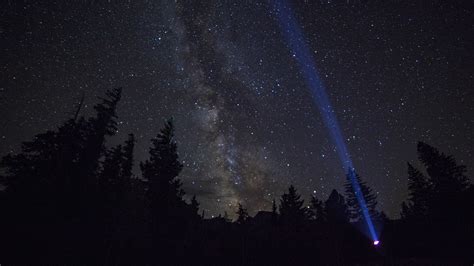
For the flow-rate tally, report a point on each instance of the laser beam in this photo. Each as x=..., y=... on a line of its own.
x=300, y=51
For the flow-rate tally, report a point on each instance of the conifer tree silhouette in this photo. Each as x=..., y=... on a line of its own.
x=291, y=208
x=419, y=189
x=442, y=168
x=274, y=207
x=354, y=208
x=101, y=126
x=335, y=208
x=440, y=208
x=161, y=171
x=194, y=205
x=242, y=214
x=443, y=192
x=274, y=212
x=164, y=196
x=52, y=182
x=316, y=210
x=447, y=182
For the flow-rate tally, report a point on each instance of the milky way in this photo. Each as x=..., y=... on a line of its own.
x=246, y=125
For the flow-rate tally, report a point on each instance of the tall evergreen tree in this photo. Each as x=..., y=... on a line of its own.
x=53, y=180
x=291, y=207
x=439, y=207
x=355, y=187
x=47, y=167
x=316, y=209
x=101, y=126
x=335, y=208
x=443, y=170
x=419, y=190
x=274, y=212
x=161, y=170
x=194, y=205
x=242, y=214
x=442, y=192
x=274, y=207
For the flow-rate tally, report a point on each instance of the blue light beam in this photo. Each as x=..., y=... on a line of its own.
x=300, y=51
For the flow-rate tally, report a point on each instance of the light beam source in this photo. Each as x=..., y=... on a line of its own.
x=300, y=51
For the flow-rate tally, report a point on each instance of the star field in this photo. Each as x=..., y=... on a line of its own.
x=246, y=125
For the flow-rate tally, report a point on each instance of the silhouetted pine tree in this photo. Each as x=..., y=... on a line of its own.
x=316, y=210
x=292, y=211
x=194, y=205
x=419, y=191
x=27, y=172
x=48, y=187
x=274, y=212
x=274, y=207
x=442, y=169
x=441, y=198
x=164, y=196
x=194, y=215
x=161, y=171
x=242, y=214
x=100, y=127
x=448, y=183
x=41, y=173
x=439, y=209
x=85, y=179
x=353, y=192
x=335, y=208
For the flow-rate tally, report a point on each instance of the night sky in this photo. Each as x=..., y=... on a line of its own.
x=246, y=124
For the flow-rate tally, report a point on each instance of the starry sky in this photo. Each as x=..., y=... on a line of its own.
x=246, y=124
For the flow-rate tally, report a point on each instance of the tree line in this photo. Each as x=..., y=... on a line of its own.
x=70, y=198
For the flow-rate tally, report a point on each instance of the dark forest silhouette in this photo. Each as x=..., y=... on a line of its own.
x=69, y=198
